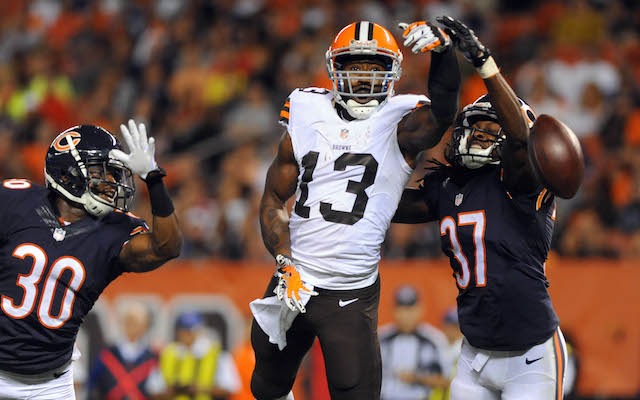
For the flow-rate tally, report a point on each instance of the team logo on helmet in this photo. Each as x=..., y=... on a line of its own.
x=72, y=137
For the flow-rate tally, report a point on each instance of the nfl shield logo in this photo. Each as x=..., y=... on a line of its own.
x=344, y=133
x=458, y=200
x=59, y=234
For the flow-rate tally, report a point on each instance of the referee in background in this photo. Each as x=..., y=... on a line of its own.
x=412, y=351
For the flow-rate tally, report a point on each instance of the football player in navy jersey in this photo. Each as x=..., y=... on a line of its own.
x=61, y=245
x=496, y=222
x=346, y=155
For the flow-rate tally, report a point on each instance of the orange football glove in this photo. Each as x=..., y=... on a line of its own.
x=424, y=37
x=290, y=285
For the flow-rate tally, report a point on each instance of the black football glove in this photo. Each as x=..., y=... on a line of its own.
x=466, y=41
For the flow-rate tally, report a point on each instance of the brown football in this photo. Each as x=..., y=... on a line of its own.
x=556, y=156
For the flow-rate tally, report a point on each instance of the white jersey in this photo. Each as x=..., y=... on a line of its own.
x=351, y=178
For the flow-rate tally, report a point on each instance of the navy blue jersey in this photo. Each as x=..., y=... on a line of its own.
x=497, y=243
x=50, y=275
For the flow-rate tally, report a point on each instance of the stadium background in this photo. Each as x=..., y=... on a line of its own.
x=209, y=78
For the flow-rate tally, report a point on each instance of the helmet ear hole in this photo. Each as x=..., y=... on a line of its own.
x=74, y=172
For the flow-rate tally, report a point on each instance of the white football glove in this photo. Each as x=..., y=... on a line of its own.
x=141, y=157
x=290, y=286
x=424, y=37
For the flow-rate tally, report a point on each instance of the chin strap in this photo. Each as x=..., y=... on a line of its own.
x=95, y=207
x=361, y=111
x=474, y=158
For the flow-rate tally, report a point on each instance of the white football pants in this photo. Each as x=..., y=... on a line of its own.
x=38, y=387
x=534, y=374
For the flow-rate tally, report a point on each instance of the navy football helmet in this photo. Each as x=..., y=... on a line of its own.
x=460, y=153
x=78, y=167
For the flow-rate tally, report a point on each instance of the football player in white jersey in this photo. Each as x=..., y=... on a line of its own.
x=347, y=155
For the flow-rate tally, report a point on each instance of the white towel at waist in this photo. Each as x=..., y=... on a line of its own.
x=275, y=318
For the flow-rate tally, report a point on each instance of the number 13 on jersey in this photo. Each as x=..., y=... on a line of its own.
x=309, y=163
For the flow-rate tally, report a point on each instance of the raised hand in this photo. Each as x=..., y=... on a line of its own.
x=141, y=157
x=466, y=41
x=424, y=37
x=290, y=285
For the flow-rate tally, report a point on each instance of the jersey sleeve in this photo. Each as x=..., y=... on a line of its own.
x=422, y=101
x=284, y=113
x=127, y=226
x=430, y=187
x=302, y=102
x=13, y=198
x=137, y=225
x=540, y=198
x=407, y=103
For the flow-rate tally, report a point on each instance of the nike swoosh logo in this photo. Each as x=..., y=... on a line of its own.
x=343, y=303
x=527, y=361
x=57, y=375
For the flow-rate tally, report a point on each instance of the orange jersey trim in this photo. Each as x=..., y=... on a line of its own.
x=137, y=230
x=284, y=111
x=540, y=199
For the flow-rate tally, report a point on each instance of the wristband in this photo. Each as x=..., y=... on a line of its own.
x=283, y=260
x=488, y=69
x=161, y=204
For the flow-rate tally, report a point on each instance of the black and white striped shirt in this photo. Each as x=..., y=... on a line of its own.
x=420, y=352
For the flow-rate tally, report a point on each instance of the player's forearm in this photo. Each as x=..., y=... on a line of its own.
x=424, y=127
x=518, y=174
x=411, y=209
x=274, y=225
x=506, y=104
x=148, y=251
x=166, y=234
x=444, y=86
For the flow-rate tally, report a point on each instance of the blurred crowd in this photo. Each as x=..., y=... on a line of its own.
x=209, y=78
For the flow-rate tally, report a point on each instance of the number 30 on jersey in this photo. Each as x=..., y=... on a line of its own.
x=29, y=284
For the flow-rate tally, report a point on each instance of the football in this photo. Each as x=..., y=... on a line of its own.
x=556, y=156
